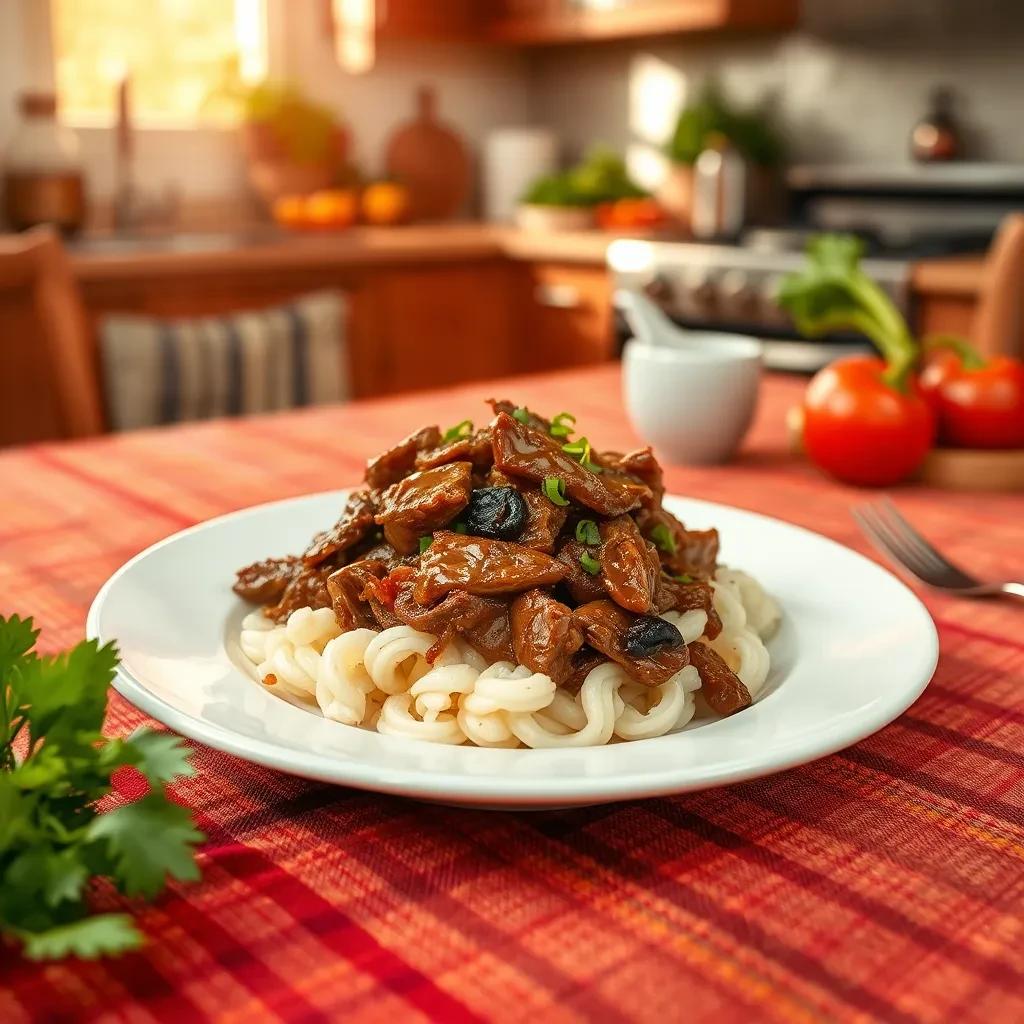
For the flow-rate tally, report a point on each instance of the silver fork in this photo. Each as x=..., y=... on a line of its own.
x=886, y=528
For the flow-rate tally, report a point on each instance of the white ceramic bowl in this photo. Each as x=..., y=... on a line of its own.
x=694, y=404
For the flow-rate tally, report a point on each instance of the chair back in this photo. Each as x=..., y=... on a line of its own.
x=49, y=383
x=998, y=326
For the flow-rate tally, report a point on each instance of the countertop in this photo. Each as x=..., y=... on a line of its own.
x=100, y=259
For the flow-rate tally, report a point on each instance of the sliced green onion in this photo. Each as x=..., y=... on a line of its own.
x=579, y=449
x=560, y=424
x=554, y=490
x=463, y=429
x=589, y=563
x=425, y=542
x=683, y=577
x=663, y=539
x=521, y=413
x=459, y=527
x=587, y=532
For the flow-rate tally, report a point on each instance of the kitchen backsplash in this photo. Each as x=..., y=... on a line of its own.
x=847, y=87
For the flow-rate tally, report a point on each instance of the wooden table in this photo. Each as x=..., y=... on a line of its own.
x=883, y=883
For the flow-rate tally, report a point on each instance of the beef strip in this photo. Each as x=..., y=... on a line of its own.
x=354, y=525
x=307, y=590
x=584, y=661
x=604, y=625
x=475, y=449
x=264, y=582
x=534, y=420
x=722, y=688
x=695, y=551
x=545, y=519
x=457, y=562
x=392, y=465
x=581, y=585
x=629, y=565
x=491, y=634
x=347, y=587
x=545, y=636
x=422, y=502
x=523, y=452
x=671, y=595
x=642, y=466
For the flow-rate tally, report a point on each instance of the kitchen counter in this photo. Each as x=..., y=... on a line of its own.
x=96, y=259
x=120, y=258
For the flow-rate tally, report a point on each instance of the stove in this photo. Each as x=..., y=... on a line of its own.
x=732, y=288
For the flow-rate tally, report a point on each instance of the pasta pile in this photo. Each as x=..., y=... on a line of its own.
x=381, y=679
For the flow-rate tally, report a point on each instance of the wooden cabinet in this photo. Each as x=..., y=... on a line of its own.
x=563, y=315
x=568, y=21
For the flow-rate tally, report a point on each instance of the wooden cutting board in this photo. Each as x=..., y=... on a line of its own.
x=431, y=161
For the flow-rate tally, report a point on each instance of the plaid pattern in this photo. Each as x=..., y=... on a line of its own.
x=883, y=883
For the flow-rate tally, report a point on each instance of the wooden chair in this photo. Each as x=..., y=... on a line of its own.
x=998, y=324
x=49, y=383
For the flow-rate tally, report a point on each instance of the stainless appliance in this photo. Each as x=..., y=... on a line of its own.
x=731, y=288
x=904, y=214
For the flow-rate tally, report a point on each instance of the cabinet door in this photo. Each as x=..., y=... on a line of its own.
x=566, y=317
x=438, y=326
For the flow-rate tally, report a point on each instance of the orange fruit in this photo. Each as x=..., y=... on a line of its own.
x=290, y=211
x=385, y=202
x=332, y=208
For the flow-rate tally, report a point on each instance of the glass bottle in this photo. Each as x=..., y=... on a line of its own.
x=43, y=179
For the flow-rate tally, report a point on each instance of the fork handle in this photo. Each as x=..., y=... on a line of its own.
x=1013, y=589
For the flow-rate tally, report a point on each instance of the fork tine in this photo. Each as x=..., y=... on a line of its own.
x=908, y=531
x=866, y=519
x=909, y=539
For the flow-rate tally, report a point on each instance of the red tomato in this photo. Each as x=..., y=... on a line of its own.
x=977, y=407
x=861, y=429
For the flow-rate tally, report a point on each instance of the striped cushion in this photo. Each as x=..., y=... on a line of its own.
x=165, y=371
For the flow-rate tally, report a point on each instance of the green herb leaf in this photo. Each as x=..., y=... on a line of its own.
x=563, y=425
x=554, y=490
x=92, y=937
x=148, y=840
x=683, y=577
x=663, y=539
x=425, y=543
x=589, y=563
x=460, y=527
x=463, y=429
x=160, y=756
x=521, y=413
x=587, y=532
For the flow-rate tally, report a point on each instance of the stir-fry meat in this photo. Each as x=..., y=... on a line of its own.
x=347, y=587
x=422, y=502
x=544, y=519
x=682, y=551
x=629, y=564
x=581, y=584
x=525, y=543
x=673, y=595
x=457, y=562
x=264, y=582
x=584, y=661
x=389, y=467
x=520, y=412
x=353, y=526
x=722, y=688
x=475, y=448
x=524, y=452
x=307, y=590
x=545, y=635
x=607, y=627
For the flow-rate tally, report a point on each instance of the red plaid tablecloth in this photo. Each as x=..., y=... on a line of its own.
x=883, y=883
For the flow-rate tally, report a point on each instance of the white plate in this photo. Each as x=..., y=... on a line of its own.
x=855, y=649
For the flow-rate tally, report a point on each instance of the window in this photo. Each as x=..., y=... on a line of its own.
x=184, y=58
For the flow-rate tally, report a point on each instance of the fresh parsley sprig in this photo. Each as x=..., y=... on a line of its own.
x=54, y=766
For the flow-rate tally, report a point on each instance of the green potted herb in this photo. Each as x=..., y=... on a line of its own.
x=704, y=123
